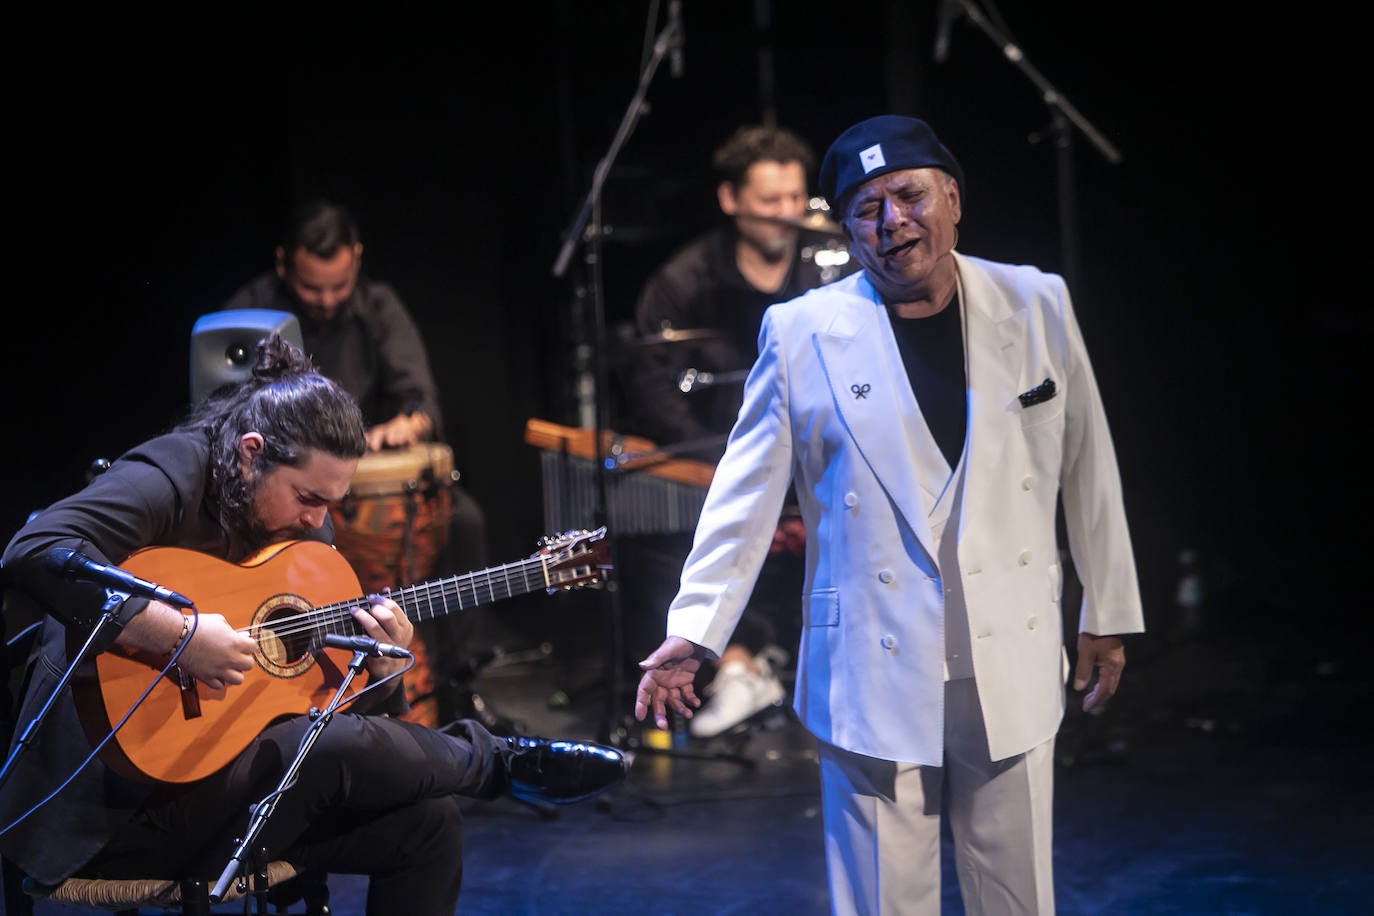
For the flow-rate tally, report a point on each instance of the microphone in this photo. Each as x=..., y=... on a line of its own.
x=949, y=11
x=675, y=55
x=74, y=565
x=365, y=644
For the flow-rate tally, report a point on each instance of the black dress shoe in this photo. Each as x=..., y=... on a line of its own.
x=562, y=772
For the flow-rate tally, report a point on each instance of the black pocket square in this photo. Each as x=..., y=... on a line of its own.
x=1039, y=394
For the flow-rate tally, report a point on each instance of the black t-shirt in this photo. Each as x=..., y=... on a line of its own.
x=933, y=352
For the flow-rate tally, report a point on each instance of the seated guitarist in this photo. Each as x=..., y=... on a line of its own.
x=251, y=467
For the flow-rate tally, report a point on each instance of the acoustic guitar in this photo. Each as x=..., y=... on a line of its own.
x=288, y=598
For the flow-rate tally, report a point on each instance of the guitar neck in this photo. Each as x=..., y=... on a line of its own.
x=577, y=560
x=430, y=600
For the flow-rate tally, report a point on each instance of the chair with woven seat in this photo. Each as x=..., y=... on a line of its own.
x=190, y=897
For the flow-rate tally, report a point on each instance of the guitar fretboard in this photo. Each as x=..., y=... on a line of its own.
x=424, y=601
x=429, y=600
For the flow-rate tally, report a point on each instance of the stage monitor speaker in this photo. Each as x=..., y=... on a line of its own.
x=224, y=345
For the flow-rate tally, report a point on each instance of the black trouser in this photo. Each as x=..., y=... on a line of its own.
x=375, y=796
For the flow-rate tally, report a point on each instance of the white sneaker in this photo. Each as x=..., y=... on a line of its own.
x=775, y=656
x=736, y=694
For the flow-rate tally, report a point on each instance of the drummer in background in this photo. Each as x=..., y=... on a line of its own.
x=770, y=248
x=360, y=333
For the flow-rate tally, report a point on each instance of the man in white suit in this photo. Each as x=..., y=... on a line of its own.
x=932, y=410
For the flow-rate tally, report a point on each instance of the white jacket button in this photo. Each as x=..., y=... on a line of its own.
x=1031, y=622
x=889, y=642
x=1027, y=482
x=851, y=499
x=1025, y=558
x=886, y=575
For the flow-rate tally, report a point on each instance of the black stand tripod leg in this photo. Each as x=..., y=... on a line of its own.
x=693, y=754
x=195, y=897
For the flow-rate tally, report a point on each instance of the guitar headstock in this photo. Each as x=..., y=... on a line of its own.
x=575, y=558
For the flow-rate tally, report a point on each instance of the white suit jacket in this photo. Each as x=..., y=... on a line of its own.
x=829, y=405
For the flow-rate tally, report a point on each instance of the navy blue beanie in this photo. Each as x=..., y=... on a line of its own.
x=886, y=143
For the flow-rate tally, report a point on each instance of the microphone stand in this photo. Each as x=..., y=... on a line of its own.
x=114, y=599
x=1062, y=114
x=592, y=235
x=264, y=809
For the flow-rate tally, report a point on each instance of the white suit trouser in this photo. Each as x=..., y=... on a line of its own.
x=882, y=824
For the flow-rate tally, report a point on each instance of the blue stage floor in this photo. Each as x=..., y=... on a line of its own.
x=1224, y=779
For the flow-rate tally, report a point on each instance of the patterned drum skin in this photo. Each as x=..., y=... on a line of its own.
x=392, y=527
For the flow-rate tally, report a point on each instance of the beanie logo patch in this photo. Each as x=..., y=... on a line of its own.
x=872, y=158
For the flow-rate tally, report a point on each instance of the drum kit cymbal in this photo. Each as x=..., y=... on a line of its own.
x=677, y=336
x=814, y=221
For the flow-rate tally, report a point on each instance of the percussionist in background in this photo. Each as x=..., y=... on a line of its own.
x=360, y=333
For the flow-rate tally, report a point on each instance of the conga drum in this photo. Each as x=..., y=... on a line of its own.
x=391, y=527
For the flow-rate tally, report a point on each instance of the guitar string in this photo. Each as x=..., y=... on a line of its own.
x=319, y=619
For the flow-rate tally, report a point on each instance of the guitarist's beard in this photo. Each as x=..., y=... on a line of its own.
x=250, y=532
x=256, y=535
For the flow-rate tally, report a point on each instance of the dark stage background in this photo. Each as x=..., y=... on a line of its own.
x=151, y=159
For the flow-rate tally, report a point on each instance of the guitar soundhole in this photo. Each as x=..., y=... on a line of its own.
x=283, y=635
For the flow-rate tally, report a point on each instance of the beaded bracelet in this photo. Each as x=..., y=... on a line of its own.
x=185, y=630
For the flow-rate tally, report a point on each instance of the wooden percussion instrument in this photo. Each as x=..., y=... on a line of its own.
x=391, y=527
x=651, y=494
